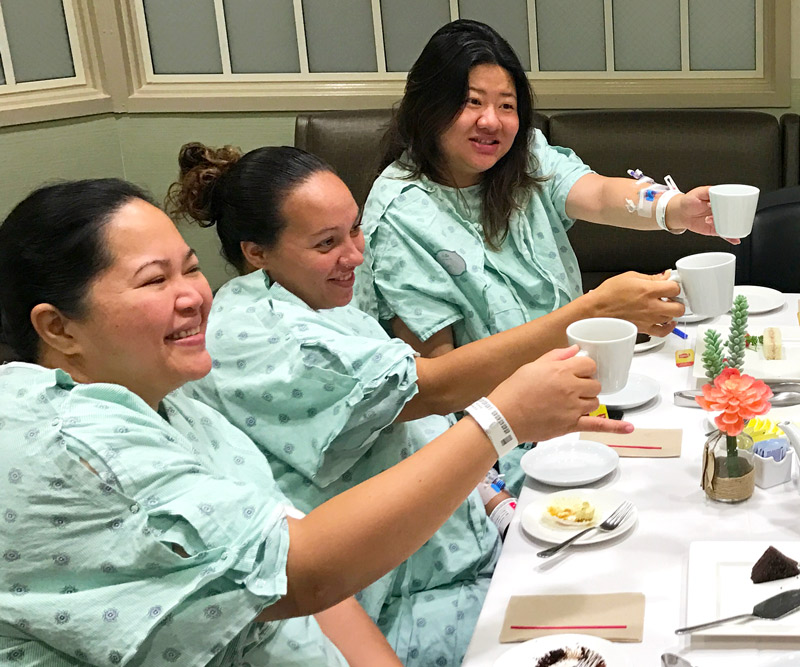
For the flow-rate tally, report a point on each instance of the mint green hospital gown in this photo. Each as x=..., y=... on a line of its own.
x=427, y=263
x=319, y=391
x=88, y=572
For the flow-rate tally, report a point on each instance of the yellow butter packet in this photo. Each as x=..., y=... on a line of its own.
x=601, y=411
x=684, y=357
x=762, y=429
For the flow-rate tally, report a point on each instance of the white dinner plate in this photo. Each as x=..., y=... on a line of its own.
x=653, y=342
x=719, y=586
x=571, y=463
x=605, y=501
x=789, y=660
x=530, y=652
x=639, y=390
x=760, y=299
x=754, y=364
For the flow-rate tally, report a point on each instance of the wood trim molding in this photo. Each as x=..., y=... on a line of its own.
x=55, y=100
x=304, y=93
x=118, y=80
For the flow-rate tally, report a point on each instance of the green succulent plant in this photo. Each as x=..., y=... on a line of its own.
x=736, y=339
x=713, y=354
x=716, y=356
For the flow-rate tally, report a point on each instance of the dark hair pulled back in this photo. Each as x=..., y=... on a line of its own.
x=243, y=195
x=52, y=246
x=436, y=92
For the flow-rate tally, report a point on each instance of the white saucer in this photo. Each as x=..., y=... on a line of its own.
x=572, y=463
x=605, y=502
x=689, y=317
x=654, y=342
x=760, y=299
x=639, y=390
x=530, y=652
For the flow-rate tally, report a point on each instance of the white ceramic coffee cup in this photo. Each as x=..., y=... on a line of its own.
x=706, y=281
x=733, y=207
x=609, y=341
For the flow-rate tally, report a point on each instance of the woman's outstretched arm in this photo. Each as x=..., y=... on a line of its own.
x=359, y=535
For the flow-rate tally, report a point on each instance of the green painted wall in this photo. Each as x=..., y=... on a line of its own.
x=144, y=148
x=65, y=149
x=149, y=145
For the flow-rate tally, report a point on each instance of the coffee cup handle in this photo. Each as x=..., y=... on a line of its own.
x=584, y=353
x=675, y=275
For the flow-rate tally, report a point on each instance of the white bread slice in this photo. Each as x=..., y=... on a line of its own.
x=772, y=343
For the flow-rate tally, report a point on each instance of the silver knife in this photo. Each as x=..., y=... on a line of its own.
x=777, y=606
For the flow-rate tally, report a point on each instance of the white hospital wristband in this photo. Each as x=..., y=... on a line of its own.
x=502, y=514
x=491, y=420
x=661, y=211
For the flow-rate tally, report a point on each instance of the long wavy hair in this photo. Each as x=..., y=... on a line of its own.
x=435, y=94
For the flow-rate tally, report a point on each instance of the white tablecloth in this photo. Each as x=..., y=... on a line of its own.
x=653, y=558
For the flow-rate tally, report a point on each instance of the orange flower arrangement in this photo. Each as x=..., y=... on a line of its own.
x=738, y=398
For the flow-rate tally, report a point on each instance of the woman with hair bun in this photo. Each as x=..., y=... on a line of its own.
x=331, y=400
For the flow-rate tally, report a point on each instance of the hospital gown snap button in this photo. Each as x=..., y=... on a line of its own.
x=134, y=508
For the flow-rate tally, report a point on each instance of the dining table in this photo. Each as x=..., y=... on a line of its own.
x=673, y=513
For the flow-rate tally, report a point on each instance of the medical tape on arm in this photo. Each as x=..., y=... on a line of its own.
x=650, y=192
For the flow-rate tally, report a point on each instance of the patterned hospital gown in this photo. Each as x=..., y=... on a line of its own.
x=89, y=575
x=318, y=391
x=426, y=260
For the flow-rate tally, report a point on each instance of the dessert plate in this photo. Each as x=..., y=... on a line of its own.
x=571, y=463
x=534, y=523
x=528, y=653
x=719, y=585
x=760, y=299
x=651, y=343
x=639, y=390
x=790, y=660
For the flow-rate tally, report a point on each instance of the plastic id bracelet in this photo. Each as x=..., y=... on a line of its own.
x=497, y=429
x=661, y=211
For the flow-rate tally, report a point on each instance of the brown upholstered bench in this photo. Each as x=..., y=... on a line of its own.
x=695, y=147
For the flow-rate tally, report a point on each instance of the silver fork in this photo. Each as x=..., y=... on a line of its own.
x=611, y=523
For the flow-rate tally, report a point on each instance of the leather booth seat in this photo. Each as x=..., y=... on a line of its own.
x=694, y=146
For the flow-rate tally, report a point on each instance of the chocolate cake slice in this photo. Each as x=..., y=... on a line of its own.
x=571, y=657
x=773, y=565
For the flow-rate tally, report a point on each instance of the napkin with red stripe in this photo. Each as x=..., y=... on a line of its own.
x=643, y=442
x=618, y=617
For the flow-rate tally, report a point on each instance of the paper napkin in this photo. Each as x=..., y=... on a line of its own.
x=643, y=442
x=618, y=617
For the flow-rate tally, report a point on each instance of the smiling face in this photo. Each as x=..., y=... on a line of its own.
x=145, y=320
x=484, y=130
x=321, y=245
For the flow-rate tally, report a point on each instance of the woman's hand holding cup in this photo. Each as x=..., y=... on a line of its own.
x=552, y=396
x=645, y=300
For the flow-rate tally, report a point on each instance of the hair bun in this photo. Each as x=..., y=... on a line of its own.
x=201, y=168
x=192, y=155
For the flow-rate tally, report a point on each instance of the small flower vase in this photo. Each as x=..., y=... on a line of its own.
x=728, y=471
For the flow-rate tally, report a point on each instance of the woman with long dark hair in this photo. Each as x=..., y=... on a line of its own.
x=466, y=227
